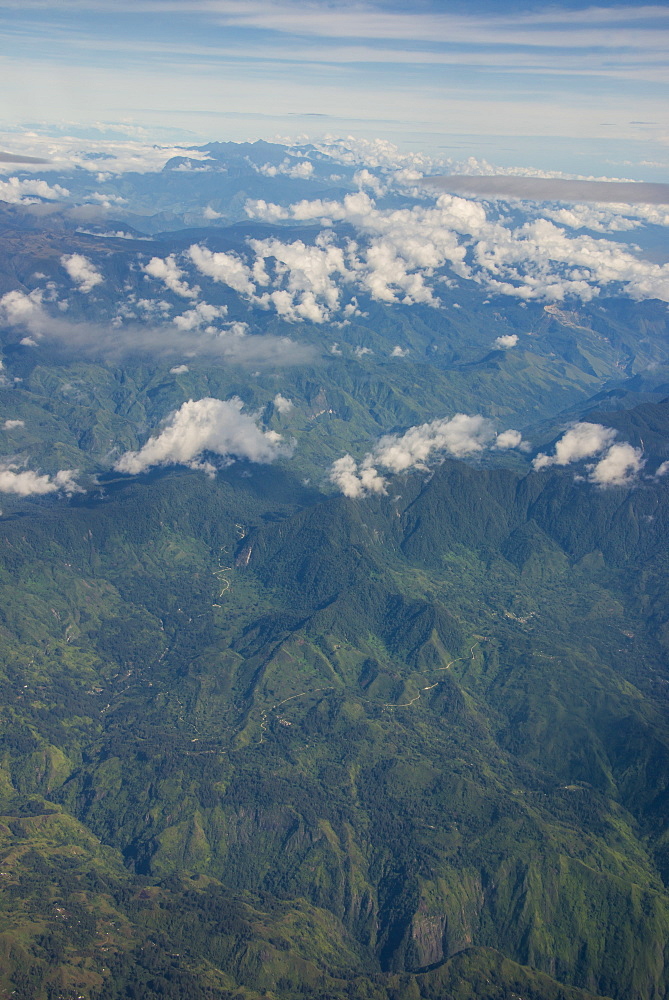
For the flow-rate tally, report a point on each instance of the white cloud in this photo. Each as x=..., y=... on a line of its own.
x=305, y=288
x=282, y=404
x=201, y=315
x=399, y=352
x=407, y=176
x=18, y=192
x=168, y=271
x=595, y=218
x=116, y=234
x=29, y=483
x=354, y=482
x=300, y=170
x=64, y=153
x=179, y=370
x=361, y=351
x=507, y=341
x=22, y=309
x=153, y=307
x=405, y=248
x=662, y=470
x=10, y=425
x=583, y=440
x=206, y=425
x=82, y=271
x=619, y=467
x=510, y=439
x=227, y=268
x=377, y=153
x=459, y=436
x=210, y=213
x=366, y=179
x=106, y=200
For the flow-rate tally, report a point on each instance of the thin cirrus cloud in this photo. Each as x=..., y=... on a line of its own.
x=465, y=66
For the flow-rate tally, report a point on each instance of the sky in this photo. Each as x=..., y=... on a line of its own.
x=565, y=86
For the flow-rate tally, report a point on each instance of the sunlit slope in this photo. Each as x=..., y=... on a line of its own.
x=372, y=748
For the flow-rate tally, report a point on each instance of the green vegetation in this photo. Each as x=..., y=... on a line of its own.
x=256, y=742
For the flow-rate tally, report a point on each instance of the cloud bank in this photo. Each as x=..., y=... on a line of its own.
x=552, y=189
x=400, y=255
x=26, y=312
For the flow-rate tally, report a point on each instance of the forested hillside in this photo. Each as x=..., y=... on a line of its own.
x=261, y=742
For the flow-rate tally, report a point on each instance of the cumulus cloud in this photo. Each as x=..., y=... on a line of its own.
x=201, y=315
x=227, y=268
x=10, y=425
x=404, y=246
x=592, y=217
x=300, y=170
x=510, y=439
x=28, y=483
x=282, y=404
x=210, y=213
x=29, y=192
x=366, y=179
x=304, y=277
x=179, y=370
x=458, y=436
x=353, y=481
x=167, y=270
x=23, y=309
x=82, y=271
x=377, y=153
x=662, y=470
x=399, y=352
x=620, y=466
x=540, y=261
x=403, y=250
x=506, y=341
x=209, y=425
x=583, y=440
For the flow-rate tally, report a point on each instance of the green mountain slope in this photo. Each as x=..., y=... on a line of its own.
x=258, y=740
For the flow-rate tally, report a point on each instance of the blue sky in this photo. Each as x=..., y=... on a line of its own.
x=564, y=86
